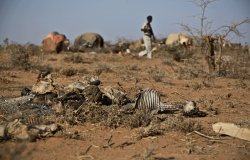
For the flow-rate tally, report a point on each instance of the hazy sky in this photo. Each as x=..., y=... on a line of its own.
x=31, y=20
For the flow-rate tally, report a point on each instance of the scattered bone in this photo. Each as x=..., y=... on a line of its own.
x=190, y=109
x=232, y=130
x=203, y=135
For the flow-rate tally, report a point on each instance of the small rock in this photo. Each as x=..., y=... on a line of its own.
x=229, y=105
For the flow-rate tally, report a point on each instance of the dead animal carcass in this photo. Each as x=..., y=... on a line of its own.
x=114, y=96
x=190, y=109
x=16, y=129
x=148, y=101
x=45, y=84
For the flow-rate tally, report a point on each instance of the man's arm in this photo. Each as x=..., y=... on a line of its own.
x=153, y=34
x=151, y=31
x=144, y=30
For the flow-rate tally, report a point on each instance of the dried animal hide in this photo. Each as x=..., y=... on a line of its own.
x=76, y=85
x=45, y=98
x=26, y=92
x=92, y=93
x=16, y=129
x=116, y=96
x=45, y=84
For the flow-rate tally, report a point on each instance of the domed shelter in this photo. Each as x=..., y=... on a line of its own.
x=55, y=42
x=89, y=40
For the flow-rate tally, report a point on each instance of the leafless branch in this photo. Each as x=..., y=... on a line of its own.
x=232, y=28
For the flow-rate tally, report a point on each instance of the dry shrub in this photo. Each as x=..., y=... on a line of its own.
x=16, y=152
x=116, y=119
x=241, y=84
x=243, y=123
x=152, y=130
x=35, y=50
x=179, y=52
x=40, y=67
x=149, y=152
x=104, y=67
x=4, y=81
x=111, y=116
x=189, y=73
x=1, y=49
x=136, y=120
x=98, y=72
x=206, y=102
x=168, y=62
x=52, y=59
x=20, y=55
x=236, y=64
x=157, y=75
x=74, y=58
x=4, y=67
x=188, y=125
x=57, y=69
x=234, y=70
x=83, y=71
x=131, y=67
x=124, y=40
x=69, y=71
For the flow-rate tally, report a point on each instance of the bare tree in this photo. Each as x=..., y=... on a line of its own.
x=225, y=30
x=199, y=33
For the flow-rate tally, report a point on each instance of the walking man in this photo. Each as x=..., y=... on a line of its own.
x=148, y=33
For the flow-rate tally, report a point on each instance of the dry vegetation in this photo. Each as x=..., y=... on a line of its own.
x=177, y=75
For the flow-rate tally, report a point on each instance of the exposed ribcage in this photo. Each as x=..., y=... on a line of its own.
x=148, y=101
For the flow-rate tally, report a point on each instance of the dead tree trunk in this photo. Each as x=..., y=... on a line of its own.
x=210, y=54
x=219, y=62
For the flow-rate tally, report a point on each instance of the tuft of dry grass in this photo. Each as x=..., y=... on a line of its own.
x=104, y=67
x=41, y=67
x=157, y=75
x=74, y=58
x=131, y=67
x=68, y=71
x=21, y=57
x=52, y=59
x=168, y=62
x=186, y=126
x=82, y=71
x=111, y=116
x=98, y=72
x=16, y=152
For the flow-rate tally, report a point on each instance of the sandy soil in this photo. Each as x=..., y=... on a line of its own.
x=171, y=145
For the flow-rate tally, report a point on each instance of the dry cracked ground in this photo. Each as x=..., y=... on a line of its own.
x=224, y=98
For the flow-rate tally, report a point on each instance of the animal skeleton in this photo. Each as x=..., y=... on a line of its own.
x=148, y=101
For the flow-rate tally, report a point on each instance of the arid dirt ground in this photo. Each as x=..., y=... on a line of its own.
x=224, y=99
